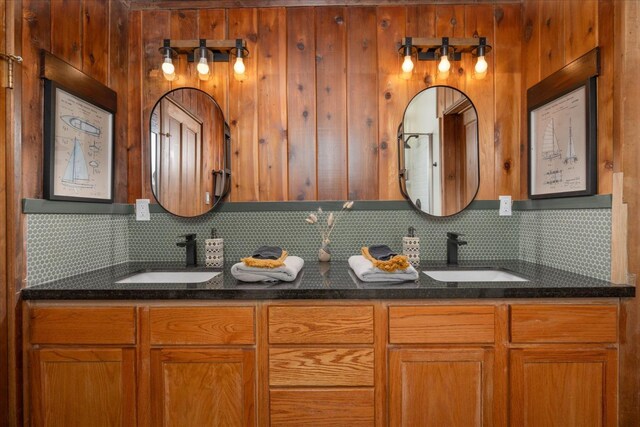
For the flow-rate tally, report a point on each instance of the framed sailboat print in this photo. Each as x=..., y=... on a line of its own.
x=78, y=147
x=562, y=121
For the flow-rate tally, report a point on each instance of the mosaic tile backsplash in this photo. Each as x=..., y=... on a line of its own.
x=65, y=245
x=574, y=240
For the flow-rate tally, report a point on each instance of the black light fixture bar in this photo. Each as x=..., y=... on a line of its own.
x=430, y=48
x=221, y=49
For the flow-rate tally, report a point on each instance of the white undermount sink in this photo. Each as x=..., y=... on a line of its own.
x=486, y=275
x=171, y=277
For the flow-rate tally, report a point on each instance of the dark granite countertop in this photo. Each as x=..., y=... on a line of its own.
x=333, y=280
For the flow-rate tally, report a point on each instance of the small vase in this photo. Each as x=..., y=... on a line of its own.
x=324, y=254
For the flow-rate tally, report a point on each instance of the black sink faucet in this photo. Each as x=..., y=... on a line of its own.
x=452, y=247
x=190, y=244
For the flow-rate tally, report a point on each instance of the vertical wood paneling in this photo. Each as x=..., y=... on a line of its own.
x=331, y=92
x=580, y=27
x=609, y=149
x=271, y=60
x=154, y=27
x=392, y=98
x=66, y=39
x=450, y=23
x=421, y=22
x=362, y=109
x=530, y=76
x=95, y=39
x=184, y=26
x=134, y=105
x=243, y=113
x=301, y=104
x=35, y=36
x=479, y=22
x=118, y=81
x=507, y=90
x=212, y=24
x=551, y=37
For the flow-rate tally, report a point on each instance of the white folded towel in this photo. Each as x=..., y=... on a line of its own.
x=287, y=273
x=366, y=272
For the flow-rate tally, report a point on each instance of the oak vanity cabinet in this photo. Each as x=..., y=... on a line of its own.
x=563, y=365
x=441, y=366
x=81, y=366
x=202, y=366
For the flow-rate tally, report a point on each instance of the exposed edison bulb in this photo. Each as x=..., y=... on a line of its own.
x=407, y=65
x=203, y=66
x=444, y=65
x=481, y=65
x=239, y=67
x=168, y=67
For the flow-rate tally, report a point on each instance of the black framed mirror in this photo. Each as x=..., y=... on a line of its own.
x=190, y=153
x=438, y=151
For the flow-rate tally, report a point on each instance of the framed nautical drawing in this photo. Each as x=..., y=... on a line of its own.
x=562, y=120
x=78, y=147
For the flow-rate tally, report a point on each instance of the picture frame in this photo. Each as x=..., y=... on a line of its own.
x=562, y=131
x=79, y=135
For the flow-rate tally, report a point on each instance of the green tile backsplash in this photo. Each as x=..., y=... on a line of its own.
x=576, y=240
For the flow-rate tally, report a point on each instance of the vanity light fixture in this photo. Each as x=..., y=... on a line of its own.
x=445, y=50
x=203, y=52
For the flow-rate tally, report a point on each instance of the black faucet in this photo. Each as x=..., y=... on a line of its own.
x=190, y=244
x=452, y=247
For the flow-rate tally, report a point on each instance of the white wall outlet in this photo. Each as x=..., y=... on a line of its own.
x=142, y=210
x=207, y=198
x=505, y=205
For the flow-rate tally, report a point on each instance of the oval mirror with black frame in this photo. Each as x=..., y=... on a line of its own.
x=438, y=151
x=189, y=152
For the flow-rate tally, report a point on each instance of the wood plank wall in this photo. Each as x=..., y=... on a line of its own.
x=92, y=36
x=555, y=32
x=316, y=116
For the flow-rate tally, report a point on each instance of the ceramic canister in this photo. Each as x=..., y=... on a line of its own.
x=214, y=253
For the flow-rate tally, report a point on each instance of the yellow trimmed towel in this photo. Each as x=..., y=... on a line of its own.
x=398, y=262
x=265, y=263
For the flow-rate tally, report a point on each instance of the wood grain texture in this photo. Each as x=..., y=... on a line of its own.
x=243, y=111
x=609, y=148
x=322, y=407
x=95, y=39
x=135, y=171
x=441, y=324
x=66, y=40
x=82, y=325
x=184, y=26
x=554, y=387
x=83, y=387
x=362, y=107
x=551, y=37
x=566, y=323
x=212, y=24
x=301, y=104
x=271, y=59
x=331, y=103
x=392, y=98
x=421, y=22
x=321, y=325
x=179, y=4
x=422, y=382
x=450, y=23
x=508, y=99
x=194, y=387
x=197, y=325
x=321, y=367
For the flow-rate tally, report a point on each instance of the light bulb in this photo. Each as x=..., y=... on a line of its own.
x=168, y=67
x=444, y=64
x=239, y=67
x=407, y=65
x=481, y=65
x=170, y=77
x=203, y=66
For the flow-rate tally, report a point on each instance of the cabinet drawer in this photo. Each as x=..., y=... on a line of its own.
x=564, y=323
x=82, y=325
x=202, y=325
x=321, y=325
x=321, y=367
x=441, y=324
x=330, y=407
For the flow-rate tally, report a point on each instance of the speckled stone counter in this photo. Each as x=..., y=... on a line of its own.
x=333, y=280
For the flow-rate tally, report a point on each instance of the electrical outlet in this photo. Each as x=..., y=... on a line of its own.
x=505, y=205
x=142, y=210
x=207, y=198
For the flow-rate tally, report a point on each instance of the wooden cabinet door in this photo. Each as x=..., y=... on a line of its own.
x=202, y=387
x=563, y=387
x=83, y=387
x=440, y=387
